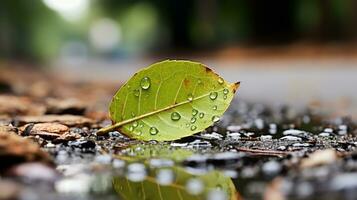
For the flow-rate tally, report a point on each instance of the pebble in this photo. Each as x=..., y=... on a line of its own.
x=266, y=137
x=234, y=128
x=301, y=145
x=325, y=134
x=200, y=144
x=178, y=144
x=281, y=148
x=87, y=144
x=294, y=132
x=212, y=136
x=290, y=138
x=233, y=136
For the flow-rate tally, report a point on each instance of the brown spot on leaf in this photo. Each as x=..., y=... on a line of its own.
x=208, y=70
x=186, y=82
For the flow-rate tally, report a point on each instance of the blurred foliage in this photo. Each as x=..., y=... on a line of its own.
x=33, y=30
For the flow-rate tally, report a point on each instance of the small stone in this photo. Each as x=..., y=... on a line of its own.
x=290, y=138
x=233, y=136
x=266, y=137
x=212, y=136
x=234, y=128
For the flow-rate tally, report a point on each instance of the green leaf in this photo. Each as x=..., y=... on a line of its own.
x=151, y=189
x=169, y=100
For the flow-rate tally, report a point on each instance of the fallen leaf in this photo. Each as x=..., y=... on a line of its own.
x=170, y=100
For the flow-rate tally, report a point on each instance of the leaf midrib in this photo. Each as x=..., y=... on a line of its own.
x=119, y=124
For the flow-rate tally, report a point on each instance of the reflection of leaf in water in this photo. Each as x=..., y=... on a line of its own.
x=151, y=190
x=146, y=151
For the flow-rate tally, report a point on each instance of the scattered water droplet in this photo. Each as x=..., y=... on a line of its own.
x=135, y=124
x=190, y=97
x=131, y=128
x=188, y=125
x=214, y=107
x=175, y=116
x=141, y=125
x=138, y=132
x=145, y=83
x=213, y=95
x=220, y=80
x=153, y=131
x=224, y=96
x=225, y=91
x=201, y=115
x=193, y=120
x=199, y=81
x=215, y=118
x=194, y=112
x=193, y=127
x=136, y=92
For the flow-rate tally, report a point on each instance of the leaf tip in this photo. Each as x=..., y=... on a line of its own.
x=235, y=86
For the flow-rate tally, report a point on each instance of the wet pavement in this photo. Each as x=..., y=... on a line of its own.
x=256, y=151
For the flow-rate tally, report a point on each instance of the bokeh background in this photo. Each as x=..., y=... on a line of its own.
x=296, y=52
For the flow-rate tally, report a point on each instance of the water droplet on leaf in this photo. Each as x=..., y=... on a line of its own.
x=201, y=115
x=189, y=97
x=131, y=128
x=175, y=116
x=188, y=125
x=220, y=80
x=199, y=81
x=136, y=92
x=193, y=127
x=215, y=118
x=193, y=120
x=213, y=95
x=135, y=124
x=225, y=91
x=214, y=107
x=138, y=132
x=145, y=83
x=224, y=96
x=153, y=131
x=194, y=112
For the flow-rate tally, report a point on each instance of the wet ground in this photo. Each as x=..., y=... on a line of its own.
x=49, y=150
